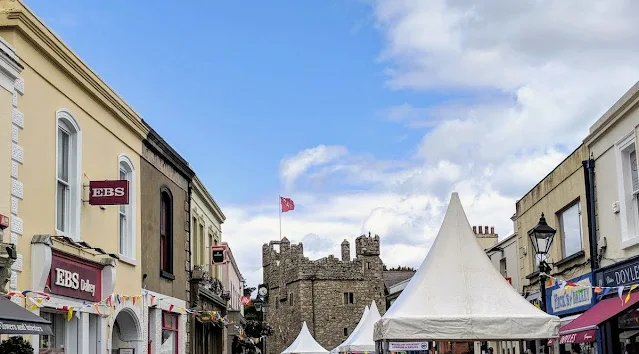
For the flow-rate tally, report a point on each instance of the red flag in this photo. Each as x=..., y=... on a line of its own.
x=287, y=204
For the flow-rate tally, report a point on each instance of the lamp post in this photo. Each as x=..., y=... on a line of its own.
x=541, y=237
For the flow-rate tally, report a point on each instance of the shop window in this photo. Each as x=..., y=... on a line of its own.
x=169, y=333
x=349, y=298
x=68, y=180
x=55, y=341
x=166, y=234
x=570, y=229
x=628, y=181
x=126, y=228
x=201, y=246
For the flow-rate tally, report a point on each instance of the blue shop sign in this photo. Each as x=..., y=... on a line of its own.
x=562, y=301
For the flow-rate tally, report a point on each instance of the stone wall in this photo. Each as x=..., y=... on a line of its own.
x=313, y=291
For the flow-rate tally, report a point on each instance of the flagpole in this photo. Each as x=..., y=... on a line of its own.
x=279, y=202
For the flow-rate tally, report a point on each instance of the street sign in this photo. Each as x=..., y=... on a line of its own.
x=218, y=254
x=245, y=300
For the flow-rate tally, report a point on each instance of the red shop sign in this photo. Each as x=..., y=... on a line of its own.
x=72, y=277
x=109, y=192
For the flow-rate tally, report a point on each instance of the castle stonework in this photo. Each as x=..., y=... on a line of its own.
x=329, y=293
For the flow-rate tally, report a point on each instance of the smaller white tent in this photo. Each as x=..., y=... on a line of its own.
x=362, y=340
x=305, y=343
x=340, y=348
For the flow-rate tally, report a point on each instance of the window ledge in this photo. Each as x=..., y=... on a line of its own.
x=574, y=256
x=630, y=242
x=532, y=275
x=167, y=275
x=127, y=260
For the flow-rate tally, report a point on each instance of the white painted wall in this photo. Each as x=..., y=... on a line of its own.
x=509, y=246
x=233, y=282
x=621, y=242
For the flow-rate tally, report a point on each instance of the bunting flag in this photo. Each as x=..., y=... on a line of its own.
x=633, y=287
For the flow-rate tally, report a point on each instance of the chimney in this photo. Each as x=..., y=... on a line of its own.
x=492, y=230
x=475, y=230
x=486, y=228
x=346, y=251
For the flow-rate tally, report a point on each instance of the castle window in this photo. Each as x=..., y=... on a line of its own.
x=277, y=302
x=368, y=265
x=349, y=299
x=290, y=299
x=345, y=331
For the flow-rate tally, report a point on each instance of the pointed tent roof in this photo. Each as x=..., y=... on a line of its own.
x=457, y=294
x=305, y=343
x=362, y=340
x=340, y=348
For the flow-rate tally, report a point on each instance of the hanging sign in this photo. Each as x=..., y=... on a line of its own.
x=109, y=192
x=407, y=346
x=563, y=300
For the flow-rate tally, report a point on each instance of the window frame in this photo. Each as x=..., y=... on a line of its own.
x=166, y=252
x=348, y=297
x=66, y=122
x=125, y=163
x=562, y=231
x=175, y=329
x=629, y=213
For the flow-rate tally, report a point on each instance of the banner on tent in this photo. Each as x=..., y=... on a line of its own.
x=407, y=346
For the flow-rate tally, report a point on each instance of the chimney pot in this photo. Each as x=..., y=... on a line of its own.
x=486, y=230
x=475, y=229
x=492, y=230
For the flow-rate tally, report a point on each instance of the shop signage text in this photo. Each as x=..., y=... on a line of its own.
x=579, y=337
x=69, y=277
x=407, y=346
x=109, y=192
x=625, y=274
x=572, y=299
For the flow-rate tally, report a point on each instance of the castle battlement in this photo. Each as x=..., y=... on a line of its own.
x=328, y=293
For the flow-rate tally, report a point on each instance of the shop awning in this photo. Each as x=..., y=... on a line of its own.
x=17, y=320
x=583, y=329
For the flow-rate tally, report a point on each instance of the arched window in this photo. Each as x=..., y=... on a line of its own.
x=126, y=215
x=166, y=234
x=68, y=175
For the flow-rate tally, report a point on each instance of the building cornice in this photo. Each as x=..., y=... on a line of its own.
x=158, y=145
x=614, y=114
x=14, y=14
x=203, y=193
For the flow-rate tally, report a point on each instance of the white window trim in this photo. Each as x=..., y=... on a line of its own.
x=562, y=232
x=75, y=180
x=629, y=223
x=131, y=225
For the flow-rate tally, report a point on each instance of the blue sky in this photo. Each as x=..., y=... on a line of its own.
x=235, y=88
x=368, y=113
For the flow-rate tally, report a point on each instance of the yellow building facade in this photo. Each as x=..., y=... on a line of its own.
x=67, y=129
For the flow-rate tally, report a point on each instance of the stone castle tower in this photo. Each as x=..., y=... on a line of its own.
x=329, y=293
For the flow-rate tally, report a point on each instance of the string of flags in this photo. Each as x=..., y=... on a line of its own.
x=601, y=291
x=37, y=299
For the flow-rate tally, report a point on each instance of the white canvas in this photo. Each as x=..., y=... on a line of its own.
x=341, y=347
x=362, y=340
x=305, y=343
x=457, y=294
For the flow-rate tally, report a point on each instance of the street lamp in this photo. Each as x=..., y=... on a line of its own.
x=258, y=304
x=541, y=237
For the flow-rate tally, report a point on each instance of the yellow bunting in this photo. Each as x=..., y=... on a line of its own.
x=70, y=313
x=633, y=287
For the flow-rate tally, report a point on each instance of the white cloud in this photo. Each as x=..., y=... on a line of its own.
x=538, y=74
x=291, y=168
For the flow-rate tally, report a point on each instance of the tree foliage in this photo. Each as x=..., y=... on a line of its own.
x=16, y=345
x=399, y=269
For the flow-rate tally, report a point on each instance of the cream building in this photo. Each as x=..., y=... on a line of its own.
x=234, y=282
x=207, y=291
x=68, y=128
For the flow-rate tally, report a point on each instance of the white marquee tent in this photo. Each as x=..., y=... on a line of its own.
x=305, y=343
x=457, y=294
x=362, y=339
x=340, y=348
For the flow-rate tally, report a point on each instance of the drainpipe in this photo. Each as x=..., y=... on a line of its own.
x=589, y=175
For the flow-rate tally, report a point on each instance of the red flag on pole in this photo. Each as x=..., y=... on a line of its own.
x=287, y=204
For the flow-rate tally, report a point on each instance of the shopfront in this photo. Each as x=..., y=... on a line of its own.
x=77, y=287
x=568, y=301
x=613, y=321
